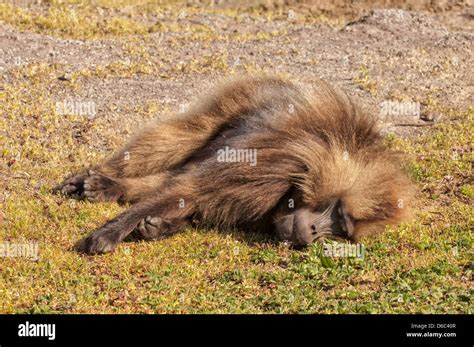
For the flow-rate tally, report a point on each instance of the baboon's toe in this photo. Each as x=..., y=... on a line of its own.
x=98, y=187
x=149, y=228
x=72, y=185
x=69, y=189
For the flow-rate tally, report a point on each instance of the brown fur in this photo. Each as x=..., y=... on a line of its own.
x=313, y=147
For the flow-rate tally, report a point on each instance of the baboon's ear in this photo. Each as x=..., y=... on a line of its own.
x=346, y=220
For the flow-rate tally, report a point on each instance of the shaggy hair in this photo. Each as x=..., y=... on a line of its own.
x=313, y=147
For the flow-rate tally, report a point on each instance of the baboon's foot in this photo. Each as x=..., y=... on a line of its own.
x=103, y=240
x=150, y=228
x=98, y=187
x=106, y=238
x=73, y=185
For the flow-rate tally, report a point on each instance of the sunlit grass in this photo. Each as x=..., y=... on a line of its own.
x=425, y=265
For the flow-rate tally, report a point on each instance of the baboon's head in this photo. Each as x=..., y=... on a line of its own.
x=352, y=206
x=306, y=225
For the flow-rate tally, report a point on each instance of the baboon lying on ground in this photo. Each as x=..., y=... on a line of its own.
x=260, y=154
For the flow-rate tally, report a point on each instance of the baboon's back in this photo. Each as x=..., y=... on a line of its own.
x=169, y=144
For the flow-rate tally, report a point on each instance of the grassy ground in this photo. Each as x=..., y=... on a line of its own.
x=425, y=265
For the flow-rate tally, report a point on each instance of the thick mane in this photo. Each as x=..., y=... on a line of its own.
x=346, y=159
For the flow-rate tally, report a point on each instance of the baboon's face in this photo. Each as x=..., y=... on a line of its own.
x=305, y=225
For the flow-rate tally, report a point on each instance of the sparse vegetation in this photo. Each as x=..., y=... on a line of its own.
x=365, y=82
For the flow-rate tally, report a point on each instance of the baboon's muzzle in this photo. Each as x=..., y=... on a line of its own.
x=305, y=226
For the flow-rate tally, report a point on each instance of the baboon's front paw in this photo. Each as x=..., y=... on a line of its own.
x=150, y=228
x=98, y=242
x=73, y=185
x=98, y=187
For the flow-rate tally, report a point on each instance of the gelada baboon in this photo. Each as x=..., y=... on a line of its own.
x=258, y=153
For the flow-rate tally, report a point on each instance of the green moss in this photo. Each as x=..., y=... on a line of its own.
x=467, y=190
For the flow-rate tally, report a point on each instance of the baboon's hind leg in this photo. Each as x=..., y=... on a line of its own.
x=165, y=205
